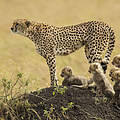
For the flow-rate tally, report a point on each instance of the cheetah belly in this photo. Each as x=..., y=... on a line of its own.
x=62, y=51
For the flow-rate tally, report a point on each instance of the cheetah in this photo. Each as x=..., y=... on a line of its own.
x=113, y=73
x=70, y=79
x=51, y=41
x=103, y=84
x=115, y=76
x=116, y=61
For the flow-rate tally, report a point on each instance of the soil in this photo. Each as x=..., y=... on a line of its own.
x=69, y=103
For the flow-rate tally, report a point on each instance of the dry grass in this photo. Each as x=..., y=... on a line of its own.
x=17, y=53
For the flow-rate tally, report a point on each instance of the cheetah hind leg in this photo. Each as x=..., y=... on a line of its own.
x=93, y=53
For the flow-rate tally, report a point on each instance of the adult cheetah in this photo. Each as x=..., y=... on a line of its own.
x=51, y=40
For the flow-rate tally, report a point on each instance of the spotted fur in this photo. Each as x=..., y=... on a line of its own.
x=51, y=40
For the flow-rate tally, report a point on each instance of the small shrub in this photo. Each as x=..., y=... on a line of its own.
x=69, y=105
x=60, y=90
x=49, y=113
x=10, y=105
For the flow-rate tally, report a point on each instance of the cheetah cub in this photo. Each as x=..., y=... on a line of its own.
x=103, y=84
x=113, y=73
x=115, y=76
x=70, y=79
x=116, y=61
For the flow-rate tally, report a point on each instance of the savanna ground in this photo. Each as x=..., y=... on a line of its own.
x=17, y=53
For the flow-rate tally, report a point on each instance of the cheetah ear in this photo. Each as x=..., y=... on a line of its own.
x=28, y=23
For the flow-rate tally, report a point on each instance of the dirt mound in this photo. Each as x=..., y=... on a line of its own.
x=67, y=103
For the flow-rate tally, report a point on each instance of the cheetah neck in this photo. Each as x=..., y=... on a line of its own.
x=39, y=31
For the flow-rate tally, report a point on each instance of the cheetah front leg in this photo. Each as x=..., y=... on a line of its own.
x=52, y=68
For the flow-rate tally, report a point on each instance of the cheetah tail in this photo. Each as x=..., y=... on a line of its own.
x=110, y=46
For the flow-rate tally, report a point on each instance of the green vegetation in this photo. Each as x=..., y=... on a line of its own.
x=9, y=100
x=48, y=114
x=10, y=90
x=64, y=109
x=17, y=53
x=13, y=105
x=59, y=90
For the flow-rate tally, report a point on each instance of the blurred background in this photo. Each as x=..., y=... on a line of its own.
x=17, y=53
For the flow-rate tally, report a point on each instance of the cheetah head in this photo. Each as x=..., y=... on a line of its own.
x=20, y=26
x=112, y=71
x=66, y=72
x=116, y=61
x=95, y=67
x=115, y=74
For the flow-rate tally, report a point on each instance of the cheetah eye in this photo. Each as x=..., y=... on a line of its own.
x=16, y=24
x=69, y=70
x=27, y=23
